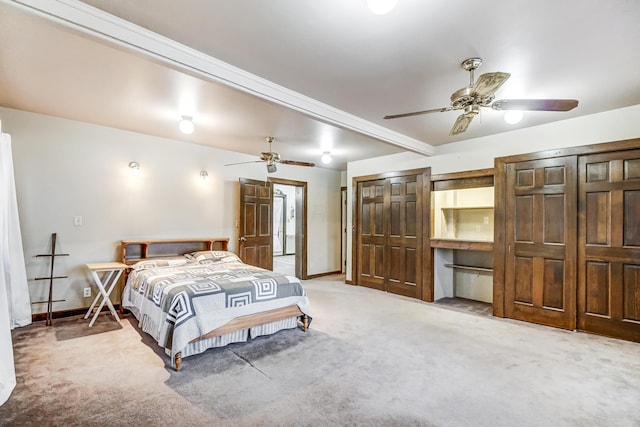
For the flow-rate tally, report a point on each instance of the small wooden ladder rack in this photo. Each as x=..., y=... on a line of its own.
x=51, y=277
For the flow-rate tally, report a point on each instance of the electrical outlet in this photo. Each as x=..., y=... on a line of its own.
x=77, y=220
x=87, y=292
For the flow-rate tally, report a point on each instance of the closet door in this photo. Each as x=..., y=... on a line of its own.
x=404, y=261
x=609, y=244
x=540, y=237
x=371, y=234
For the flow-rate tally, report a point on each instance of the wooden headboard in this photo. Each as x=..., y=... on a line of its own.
x=132, y=251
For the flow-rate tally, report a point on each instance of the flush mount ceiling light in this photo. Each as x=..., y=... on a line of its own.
x=134, y=168
x=512, y=117
x=381, y=7
x=326, y=157
x=186, y=125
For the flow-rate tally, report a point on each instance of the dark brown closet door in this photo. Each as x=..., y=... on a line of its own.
x=540, y=277
x=256, y=240
x=404, y=264
x=370, y=233
x=609, y=244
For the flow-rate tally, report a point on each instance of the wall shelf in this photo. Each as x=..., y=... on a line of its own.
x=476, y=245
x=462, y=208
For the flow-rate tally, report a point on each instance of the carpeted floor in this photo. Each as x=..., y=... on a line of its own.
x=369, y=359
x=285, y=264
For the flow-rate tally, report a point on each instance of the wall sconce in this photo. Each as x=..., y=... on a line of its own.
x=134, y=168
x=326, y=158
x=381, y=7
x=186, y=125
x=204, y=175
x=513, y=116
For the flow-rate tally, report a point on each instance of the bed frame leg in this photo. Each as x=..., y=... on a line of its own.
x=305, y=322
x=177, y=361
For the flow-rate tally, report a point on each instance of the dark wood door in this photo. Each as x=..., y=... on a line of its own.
x=540, y=237
x=256, y=209
x=609, y=244
x=371, y=234
x=390, y=234
x=403, y=269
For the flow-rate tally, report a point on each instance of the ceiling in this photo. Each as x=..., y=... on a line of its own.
x=317, y=75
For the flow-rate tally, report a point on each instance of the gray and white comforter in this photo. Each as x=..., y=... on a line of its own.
x=180, y=299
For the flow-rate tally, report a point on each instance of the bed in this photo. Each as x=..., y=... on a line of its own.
x=192, y=295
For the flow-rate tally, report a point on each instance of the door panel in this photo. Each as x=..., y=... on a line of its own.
x=371, y=234
x=609, y=244
x=256, y=240
x=405, y=219
x=540, y=234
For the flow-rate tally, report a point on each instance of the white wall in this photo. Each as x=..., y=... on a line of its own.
x=480, y=153
x=65, y=169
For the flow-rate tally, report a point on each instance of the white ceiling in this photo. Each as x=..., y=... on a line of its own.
x=311, y=73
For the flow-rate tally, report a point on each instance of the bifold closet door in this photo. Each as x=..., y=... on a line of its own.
x=540, y=237
x=389, y=234
x=404, y=262
x=609, y=244
x=371, y=234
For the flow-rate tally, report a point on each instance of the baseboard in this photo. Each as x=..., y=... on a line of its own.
x=315, y=276
x=348, y=282
x=38, y=317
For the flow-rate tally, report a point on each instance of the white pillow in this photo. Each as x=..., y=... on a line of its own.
x=160, y=262
x=209, y=257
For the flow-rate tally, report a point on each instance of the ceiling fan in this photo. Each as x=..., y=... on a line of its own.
x=481, y=94
x=271, y=158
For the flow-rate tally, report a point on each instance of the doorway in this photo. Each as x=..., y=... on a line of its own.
x=343, y=230
x=284, y=229
x=289, y=227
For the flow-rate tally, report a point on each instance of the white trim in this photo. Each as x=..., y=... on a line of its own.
x=85, y=18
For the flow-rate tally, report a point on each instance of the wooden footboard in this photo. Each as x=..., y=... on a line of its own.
x=249, y=321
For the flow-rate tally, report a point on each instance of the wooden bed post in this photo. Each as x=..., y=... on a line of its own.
x=177, y=361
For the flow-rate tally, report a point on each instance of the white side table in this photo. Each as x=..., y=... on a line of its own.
x=112, y=272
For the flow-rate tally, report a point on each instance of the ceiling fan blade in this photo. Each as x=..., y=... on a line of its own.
x=417, y=113
x=243, y=163
x=535, y=104
x=488, y=83
x=461, y=124
x=296, y=163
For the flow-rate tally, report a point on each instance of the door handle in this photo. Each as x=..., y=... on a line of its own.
x=243, y=239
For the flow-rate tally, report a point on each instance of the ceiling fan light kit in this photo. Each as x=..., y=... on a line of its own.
x=481, y=93
x=513, y=116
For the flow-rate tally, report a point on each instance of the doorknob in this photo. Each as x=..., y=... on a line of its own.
x=243, y=239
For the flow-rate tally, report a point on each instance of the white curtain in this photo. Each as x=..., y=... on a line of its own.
x=15, y=305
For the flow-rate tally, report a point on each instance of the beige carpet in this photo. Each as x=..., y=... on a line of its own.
x=370, y=359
